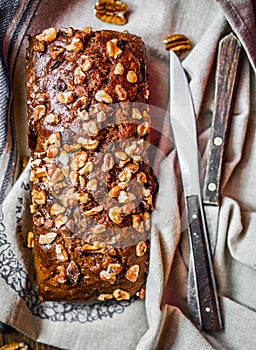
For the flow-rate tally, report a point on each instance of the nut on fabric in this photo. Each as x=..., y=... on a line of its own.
x=111, y=11
x=177, y=43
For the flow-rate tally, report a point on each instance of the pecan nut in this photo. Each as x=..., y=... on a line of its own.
x=111, y=11
x=177, y=43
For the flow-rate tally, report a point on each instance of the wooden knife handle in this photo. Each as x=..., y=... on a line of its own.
x=228, y=57
x=207, y=299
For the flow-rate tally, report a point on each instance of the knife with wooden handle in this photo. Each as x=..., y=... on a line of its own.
x=203, y=294
x=227, y=64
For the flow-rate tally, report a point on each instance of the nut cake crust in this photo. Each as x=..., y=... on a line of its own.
x=88, y=131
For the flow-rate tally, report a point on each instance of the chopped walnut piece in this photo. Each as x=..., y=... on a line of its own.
x=143, y=129
x=54, y=139
x=92, y=185
x=91, y=128
x=145, y=215
x=61, y=276
x=47, y=238
x=136, y=158
x=141, y=248
x=61, y=220
x=119, y=69
x=87, y=63
x=132, y=273
x=38, y=219
x=64, y=158
x=79, y=76
x=114, y=268
x=128, y=208
x=87, y=29
x=82, y=181
x=89, y=144
x=120, y=294
x=75, y=45
x=115, y=215
x=136, y=114
x=39, y=46
x=39, y=112
x=121, y=92
x=47, y=35
x=141, y=177
x=137, y=223
x=141, y=293
x=121, y=155
x=39, y=197
x=30, y=239
x=103, y=297
x=130, y=150
x=33, y=208
x=101, y=116
x=52, y=151
x=108, y=162
x=57, y=209
x=112, y=48
x=70, y=198
x=57, y=176
x=56, y=51
x=96, y=246
x=73, y=272
x=79, y=160
x=71, y=148
x=67, y=31
x=126, y=197
x=146, y=191
x=131, y=76
x=149, y=199
x=115, y=191
x=83, y=114
x=86, y=169
x=133, y=168
x=83, y=198
x=61, y=253
x=32, y=176
x=66, y=97
x=102, y=96
x=36, y=163
x=51, y=119
x=125, y=175
x=79, y=104
x=106, y=276
x=73, y=177
x=40, y=172
x=94, y=211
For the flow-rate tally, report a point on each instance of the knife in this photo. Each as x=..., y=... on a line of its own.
x=183, y=122
x=226, y=72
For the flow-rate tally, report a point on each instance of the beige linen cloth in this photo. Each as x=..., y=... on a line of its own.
x=160, y=322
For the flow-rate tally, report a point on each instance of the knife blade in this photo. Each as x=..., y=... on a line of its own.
x=182, y=116
x=226, y=72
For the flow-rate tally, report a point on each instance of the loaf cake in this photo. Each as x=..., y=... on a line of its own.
x=91, y=184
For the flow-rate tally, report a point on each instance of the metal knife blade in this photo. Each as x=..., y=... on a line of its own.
x=226, y=72
x=183, y=122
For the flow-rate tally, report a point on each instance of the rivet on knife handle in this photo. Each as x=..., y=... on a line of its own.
x=207, y=298
x=228, y=57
